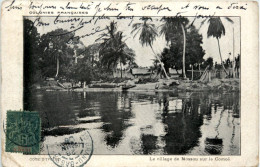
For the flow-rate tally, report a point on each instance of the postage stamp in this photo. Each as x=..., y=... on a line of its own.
x=23, y=132
x=72, y=151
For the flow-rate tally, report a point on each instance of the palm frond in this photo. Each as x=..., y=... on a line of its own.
x=147, y=31
x=203, y=21
x=216, y=27
x=229, y=20
x=137, y=32
x=136, y=26
x=192, y=22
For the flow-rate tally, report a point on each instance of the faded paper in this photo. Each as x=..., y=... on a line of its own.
x=51, y=15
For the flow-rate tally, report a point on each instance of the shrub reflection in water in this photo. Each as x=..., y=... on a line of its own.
x=143, y=122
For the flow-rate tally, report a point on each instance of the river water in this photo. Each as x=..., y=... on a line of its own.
x=136, y=123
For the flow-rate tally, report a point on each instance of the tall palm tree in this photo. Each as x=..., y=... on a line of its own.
x=171, y=26
x=148, y=34
x=216, y=29
x=113, y=50
x=57, y=57
x=54, y=46
x=58, y=63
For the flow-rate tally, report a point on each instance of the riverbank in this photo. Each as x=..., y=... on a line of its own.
x=221, y=85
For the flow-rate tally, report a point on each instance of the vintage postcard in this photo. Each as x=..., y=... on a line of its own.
x=129, y=83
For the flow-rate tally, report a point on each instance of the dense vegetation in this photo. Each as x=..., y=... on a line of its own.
x=56, y=55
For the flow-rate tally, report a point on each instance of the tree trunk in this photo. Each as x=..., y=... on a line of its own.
x=58, y=62
x=233, y=64
x=121, y=69
x=184, y=47
x=221, y=57
x=177, y=71
x=92, y=62
x=192, y=72
x=160, y=63
x=84, y=84
x=199, y=69
x=115, y=69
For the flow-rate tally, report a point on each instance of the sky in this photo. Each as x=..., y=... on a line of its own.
x=144, y=54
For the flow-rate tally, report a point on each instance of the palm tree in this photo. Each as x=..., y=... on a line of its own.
x=113, y=50
x=171, y=26
x=57, y=56
x=58, y=63
x=148, y=34
x=216, y=29
x=54, y=47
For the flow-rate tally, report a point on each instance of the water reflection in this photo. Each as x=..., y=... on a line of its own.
x=143, y=122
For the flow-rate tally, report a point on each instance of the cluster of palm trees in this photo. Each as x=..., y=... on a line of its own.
x=53, y=59
x=171, y=25
x=114, y=50
x=148, y=34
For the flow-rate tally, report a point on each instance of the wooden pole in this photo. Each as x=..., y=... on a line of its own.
x=201, y=77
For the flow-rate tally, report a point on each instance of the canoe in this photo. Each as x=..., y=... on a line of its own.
x=103, y=85
x=126, y=87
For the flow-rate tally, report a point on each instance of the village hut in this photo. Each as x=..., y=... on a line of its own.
x=141, y=72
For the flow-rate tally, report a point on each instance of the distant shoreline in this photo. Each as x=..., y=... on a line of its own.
x=221, y=85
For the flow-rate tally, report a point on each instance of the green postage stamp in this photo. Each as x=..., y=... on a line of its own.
x=23, y=132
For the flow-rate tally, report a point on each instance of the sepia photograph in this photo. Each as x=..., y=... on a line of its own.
x=138, y=85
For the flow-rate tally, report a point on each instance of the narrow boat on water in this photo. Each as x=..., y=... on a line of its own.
x=103, y=85
x=126, y=87
x=95, y=87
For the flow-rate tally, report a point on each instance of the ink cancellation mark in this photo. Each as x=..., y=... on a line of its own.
x=23, y=132
x=74, y=151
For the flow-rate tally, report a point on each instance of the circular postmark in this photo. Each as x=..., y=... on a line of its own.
x=75, y=150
